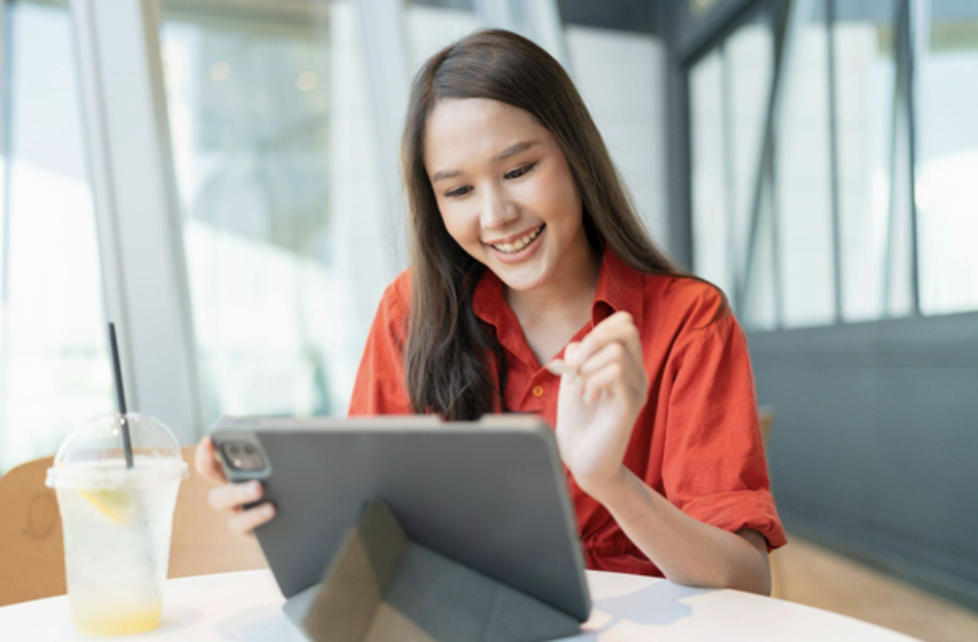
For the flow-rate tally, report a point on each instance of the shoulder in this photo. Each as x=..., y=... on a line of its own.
x=686, y=303
x=397, y=294
x=392, y=316
x=693, y=323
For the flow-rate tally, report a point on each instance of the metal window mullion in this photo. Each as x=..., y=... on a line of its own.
x=914, y=41
x=679, y=139
x=903, y=129
x=100, y=168
x=140, y=237
x=894, y=167
x=774, y=229
x=834, y=158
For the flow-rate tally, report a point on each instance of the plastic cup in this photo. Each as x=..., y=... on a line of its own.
x=117, y=521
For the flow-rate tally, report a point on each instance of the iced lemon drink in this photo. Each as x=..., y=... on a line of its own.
x=117, y=523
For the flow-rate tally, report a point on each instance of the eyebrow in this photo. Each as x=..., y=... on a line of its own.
x=512, y=150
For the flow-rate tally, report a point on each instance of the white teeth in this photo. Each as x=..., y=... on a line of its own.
x=520, y=244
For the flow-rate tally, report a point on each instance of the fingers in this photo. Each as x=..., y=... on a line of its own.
x=614, y=349
x=207, y=463
x=230, y=497
x=247, y=521
x=611, y=366
x=616, y=328
x=609, y=379
x=611, y=353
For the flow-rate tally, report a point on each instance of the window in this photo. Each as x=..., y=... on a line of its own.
x=729, y=90
x=947, y=158
x=54, y=371
x=614, y=57
x=618, y=73
x=749, y=56
x=433, y=25
x=280, y=190
x=711, y=202
x=865, y=104
x=803, y=183
x=865, y=209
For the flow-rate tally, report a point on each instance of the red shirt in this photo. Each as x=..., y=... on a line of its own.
x=697, y=441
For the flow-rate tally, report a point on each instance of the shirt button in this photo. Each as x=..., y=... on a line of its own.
x=538, y=391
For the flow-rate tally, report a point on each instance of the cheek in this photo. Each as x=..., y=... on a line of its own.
x=557, y=191
x=459, y=224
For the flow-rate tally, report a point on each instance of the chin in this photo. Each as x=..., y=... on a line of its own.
x=523, y=282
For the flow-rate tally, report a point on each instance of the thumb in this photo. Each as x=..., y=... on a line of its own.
x=206, y=461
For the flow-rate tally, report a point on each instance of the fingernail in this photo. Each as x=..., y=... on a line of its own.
x=253, y=489
x=267, y=510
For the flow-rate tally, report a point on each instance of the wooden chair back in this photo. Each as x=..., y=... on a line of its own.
x=766, y=415
x=32, y=547
x=779, y=588
x=32, y=562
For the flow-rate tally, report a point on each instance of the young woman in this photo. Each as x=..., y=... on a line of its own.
x=525, y=248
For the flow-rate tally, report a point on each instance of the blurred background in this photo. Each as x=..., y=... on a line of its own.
x=219, y=177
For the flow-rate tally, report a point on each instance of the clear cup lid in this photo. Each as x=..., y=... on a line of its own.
x=92, y=456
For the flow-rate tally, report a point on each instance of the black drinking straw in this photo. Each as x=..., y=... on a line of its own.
x=120, y=396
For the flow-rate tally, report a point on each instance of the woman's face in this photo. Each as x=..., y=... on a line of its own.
x=504, y=189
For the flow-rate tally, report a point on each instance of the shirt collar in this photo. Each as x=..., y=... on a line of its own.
x=619, y=289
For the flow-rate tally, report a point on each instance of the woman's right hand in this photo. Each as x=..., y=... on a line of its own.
x=229, y=497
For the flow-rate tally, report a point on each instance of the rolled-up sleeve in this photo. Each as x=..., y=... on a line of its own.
x=714, y=468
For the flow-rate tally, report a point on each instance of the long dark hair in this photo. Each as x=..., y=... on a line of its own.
x=448, y=355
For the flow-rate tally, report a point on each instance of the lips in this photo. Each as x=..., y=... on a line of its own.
x=530, y=244
x=519, y=244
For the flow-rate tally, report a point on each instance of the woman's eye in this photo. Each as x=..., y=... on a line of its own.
x=516, y=173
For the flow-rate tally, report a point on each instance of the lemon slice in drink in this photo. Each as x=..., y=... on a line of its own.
x=114, y=504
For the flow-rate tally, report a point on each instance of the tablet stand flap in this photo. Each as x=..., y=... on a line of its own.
x=382, y=586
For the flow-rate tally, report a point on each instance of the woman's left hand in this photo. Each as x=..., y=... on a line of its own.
x=597, y=408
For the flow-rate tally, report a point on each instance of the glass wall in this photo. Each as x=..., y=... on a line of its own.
x=865, y=53
x=281, y=187
x=728, y=100
x=861, y=206
x=803, y=183
x=54, y=371
x=709, y=189
x=618, y=70
x=279, y=183
x=433, y=25
x=749, y=57
x=947, y=157
x=613, y=55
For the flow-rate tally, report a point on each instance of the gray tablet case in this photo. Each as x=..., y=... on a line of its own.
x=411, y=528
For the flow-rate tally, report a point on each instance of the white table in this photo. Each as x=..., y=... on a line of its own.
x=247, y=606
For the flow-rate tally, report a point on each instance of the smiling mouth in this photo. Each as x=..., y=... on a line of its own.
x=520, y=244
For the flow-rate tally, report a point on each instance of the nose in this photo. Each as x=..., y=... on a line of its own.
x=497, y=210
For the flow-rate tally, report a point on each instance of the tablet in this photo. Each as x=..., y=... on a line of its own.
x=489, y=494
